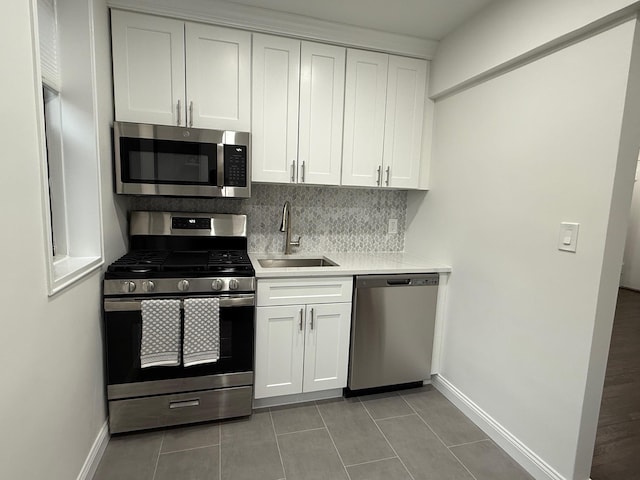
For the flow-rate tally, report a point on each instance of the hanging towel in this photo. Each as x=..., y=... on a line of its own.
x=160, y=343
x=201, y=331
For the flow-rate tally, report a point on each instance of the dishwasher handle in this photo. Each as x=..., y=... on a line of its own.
x=397, y=280
x=404, y=281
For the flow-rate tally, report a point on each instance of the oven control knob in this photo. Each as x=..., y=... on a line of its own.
x=128, y=287
x=148, y=286
x=233, y=284
x=217, y=284
x=183, y=285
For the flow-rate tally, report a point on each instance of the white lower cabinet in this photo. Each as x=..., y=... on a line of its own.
x=303, y=347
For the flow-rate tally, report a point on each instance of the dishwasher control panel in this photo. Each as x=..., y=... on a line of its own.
x=423, y=281
x=398, y=280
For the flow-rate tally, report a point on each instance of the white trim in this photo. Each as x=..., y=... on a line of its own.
x=296, y=398
x=522, y=454
x=438, y=331
x=69, y=270
x=270, y=21
x=63, y=272
x=92, y=461
x=96, y=122
x=594, y=28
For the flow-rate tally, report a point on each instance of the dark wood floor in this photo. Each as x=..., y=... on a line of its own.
x=617, y=451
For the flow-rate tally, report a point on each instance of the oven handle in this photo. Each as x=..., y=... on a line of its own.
x=136, y=305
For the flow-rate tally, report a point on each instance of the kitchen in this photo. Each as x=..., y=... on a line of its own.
x=526, y=334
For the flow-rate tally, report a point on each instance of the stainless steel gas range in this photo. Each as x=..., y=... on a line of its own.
x=180, y=258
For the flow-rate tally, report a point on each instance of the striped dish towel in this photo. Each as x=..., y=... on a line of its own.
x=160, y=345
x=201, y=331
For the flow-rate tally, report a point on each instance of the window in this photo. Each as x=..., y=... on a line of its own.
x=70, y=161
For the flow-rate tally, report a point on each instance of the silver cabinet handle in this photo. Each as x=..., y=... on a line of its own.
x=387, y=181
x=300, y=323
x=191, y=113
x=302, y=167
x=293, y=171
x=312, y=319
x=185, y=403
x=379, y=175
x=179, y=112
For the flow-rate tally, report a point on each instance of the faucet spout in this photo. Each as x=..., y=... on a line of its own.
x=285, y=226
x=286, y=216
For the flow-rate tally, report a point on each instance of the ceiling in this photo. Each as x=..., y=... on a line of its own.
x=428, y=19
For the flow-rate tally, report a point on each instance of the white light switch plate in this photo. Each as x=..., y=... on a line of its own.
x=568, y=240
x=393, y=225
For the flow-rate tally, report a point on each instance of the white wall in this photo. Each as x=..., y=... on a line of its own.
x=630, y=277
x=508, y=29
x=52, y=404
x=527, y=326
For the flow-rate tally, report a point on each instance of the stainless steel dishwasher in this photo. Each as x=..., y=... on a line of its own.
x=391, y=331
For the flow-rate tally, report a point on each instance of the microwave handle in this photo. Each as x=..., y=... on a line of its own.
x=220, y=165
x=178, y=112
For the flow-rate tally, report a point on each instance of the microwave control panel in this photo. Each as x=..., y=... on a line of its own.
x=235, y=165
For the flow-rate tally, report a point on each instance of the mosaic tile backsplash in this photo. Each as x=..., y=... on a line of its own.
x=328, y=219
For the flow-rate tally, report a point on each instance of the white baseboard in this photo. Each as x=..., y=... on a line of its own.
x=95, y=454
x=522, y=454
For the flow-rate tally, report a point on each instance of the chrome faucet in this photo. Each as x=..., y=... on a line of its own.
x=286, y=227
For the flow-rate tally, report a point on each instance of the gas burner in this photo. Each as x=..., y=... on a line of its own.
x=141, y=261
x=228, y=258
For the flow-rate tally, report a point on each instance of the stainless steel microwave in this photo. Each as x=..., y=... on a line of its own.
x=181, y=161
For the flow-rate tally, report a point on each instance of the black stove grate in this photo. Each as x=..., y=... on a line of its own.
x=186, y=262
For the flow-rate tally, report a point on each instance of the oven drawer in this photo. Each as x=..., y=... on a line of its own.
x=165, y=410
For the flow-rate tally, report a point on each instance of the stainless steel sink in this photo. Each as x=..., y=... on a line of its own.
x=296, y=262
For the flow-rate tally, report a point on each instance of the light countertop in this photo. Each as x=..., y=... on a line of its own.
x=349, y=264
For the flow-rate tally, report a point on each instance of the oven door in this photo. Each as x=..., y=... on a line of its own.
x=123, y=334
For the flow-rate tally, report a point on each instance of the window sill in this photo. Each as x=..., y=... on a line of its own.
x=68, y=270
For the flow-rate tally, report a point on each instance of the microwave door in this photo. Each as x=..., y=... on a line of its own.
x=164, y=162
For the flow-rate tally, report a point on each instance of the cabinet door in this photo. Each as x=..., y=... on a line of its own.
x=148, y=68
x=326, y=346
x=279, y=350
x=218, y=73
x=321, y=112
x=276, y=72
x=364, y=114
x=404, y=118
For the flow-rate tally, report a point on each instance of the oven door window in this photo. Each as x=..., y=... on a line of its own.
x=168, y=162
x=124, y=333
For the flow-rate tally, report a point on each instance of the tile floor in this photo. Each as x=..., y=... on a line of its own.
x=411, y=435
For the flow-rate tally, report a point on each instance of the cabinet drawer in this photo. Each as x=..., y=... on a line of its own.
x=293, y=291
x=164, y=410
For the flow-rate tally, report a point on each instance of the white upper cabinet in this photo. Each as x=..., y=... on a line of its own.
x=218, y=73
x=169, y=72
x=321, y=107
x=298, y=94
x=148, y=68
x=274, y=130
x=365, y=93
x=404, y=120
x=384, y=110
